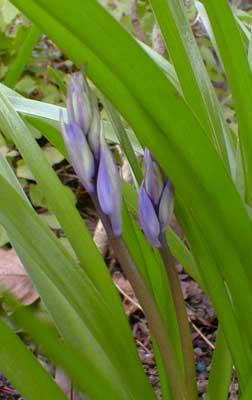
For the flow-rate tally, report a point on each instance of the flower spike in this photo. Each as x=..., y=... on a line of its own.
x=91, y=157
x=155, y=201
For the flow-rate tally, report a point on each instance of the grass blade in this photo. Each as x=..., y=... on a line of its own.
x=221, y=370
x=24, y=52
x=192, y=74
x=17, y=363
x=235, y=61
x=123, y=139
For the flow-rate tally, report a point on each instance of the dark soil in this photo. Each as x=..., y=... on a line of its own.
x=7, y=392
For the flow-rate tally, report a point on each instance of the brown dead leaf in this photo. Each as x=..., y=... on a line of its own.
x=200, y=307
x=129, y=299
x=14, y=278
x=100, y=238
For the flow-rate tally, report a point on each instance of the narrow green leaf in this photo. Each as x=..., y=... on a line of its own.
x=164, y=65
x=250, y=52
x=51, y=131
x=58, y=79
x=221, y=370
x=123, y=139
x=204, y=18
x=247, y=392
x=7, y=172
x=192, y=74
x=244, y=31
x=32, y=107
x=184, y=256
x=236, y=64
x=22, y=57
x=18, y=364
x=217, y=290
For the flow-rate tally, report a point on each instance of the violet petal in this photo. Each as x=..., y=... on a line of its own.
x=165, y=210
x=148, y=218
x=94, y=133
x=153, y=181
x=109, y=188
x=78, y=102
x=80, y=155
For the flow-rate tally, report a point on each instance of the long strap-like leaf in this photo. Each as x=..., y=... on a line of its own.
x=23, y=370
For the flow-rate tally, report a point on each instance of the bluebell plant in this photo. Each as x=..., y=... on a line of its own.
x=95, y=166
x=156, y=204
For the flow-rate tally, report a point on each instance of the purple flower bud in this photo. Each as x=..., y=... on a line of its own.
x=95, y=130
x=165, y=209
x=148, y=218
x=80, y=154
x=89, y=154
x=109, y=188
x=153, y=181
x=155, y=201
x=78, y=103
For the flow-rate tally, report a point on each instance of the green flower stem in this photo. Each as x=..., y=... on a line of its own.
x=184, y=328
x=150, y=308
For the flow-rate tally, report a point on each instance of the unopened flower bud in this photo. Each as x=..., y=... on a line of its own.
x=153, y=180
x=91, y=157
x=78, y=103
x=165, y=208
x=109, y=188
x=80, y=155
x=94, y=132
x=148, y=218
x=155, y=201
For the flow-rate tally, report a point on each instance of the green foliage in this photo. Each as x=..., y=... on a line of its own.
x=202, y=140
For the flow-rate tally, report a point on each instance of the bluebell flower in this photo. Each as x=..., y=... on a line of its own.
x=155, y=201
x=90, y=156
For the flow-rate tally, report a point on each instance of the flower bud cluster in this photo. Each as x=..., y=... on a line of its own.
x=90, y=156
x=155, y=201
